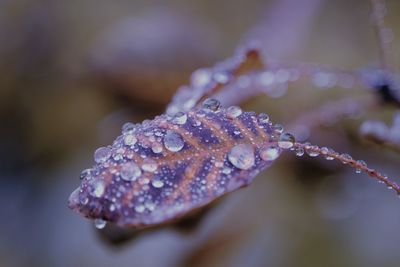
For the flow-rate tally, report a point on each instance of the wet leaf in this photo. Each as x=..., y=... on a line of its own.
x=161, y=170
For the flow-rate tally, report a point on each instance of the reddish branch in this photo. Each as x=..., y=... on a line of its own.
x=346, y=159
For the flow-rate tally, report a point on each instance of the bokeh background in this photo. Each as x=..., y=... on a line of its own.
x=72, y=72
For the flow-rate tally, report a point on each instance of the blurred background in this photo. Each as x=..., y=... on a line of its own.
x=72, y=72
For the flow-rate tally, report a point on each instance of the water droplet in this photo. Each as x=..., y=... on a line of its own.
x=118, y=154
x=327, y=153
x=179, y=118
x=173, y=141
x=130, y=139
x=156, y=148
x=211, y=104
x=264, y=118
x=128, y=127
x=362, y=163
x=286, y=141
x=99, y=223
x=233, y=112
x=84, y=174
x=97, y=188
x=299, y=151
x=269, y=153
x=242, y=156
x=149, y=165
x=346, y=158
x=130, y=171
x=324, y=150
x=102, y=154
x=312, y=151
x=157, y=183
x=278, y=128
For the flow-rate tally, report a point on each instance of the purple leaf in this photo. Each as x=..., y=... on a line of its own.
x=163, y=169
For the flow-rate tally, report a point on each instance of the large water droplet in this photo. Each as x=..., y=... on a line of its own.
x=269, y=153
x=173, y=141
x=242, y=156
x=179, y=118
x=286, y=141
x=130, y=171
x=102, y=154
x=211, y=104
x=100, y=223
x=233, y=112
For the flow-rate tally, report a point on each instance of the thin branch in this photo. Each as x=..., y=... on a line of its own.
x=359, y=165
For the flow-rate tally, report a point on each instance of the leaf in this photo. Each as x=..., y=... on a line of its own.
x=163, y=169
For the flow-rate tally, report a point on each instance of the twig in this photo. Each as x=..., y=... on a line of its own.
x=359, y=165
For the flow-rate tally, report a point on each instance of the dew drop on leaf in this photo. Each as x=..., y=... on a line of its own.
x=278, y=128
x=269, y=153
x=157, y=183
x=173, y=141
x=130, y=171
x=263, y=118
x=242, y=156
x=156, y=148
x=179, y=118
x=102, y=154
x=211, y=104
x=130, y=139
x=233, y=112
x=128, y=127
